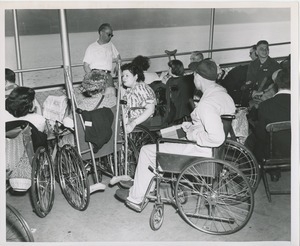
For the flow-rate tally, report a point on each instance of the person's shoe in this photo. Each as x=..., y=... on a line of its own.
x=136, y=207
x=126, y=184
x=122, y=194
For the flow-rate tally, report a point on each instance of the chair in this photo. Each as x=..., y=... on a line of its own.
x=279, y=153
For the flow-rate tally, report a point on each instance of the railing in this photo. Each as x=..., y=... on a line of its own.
x=225, y=65
x=66, y=56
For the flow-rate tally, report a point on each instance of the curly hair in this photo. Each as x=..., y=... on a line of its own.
x=94, y=82
x=135, y=70
x=177, y=67
x=142, y=61
x=20, y=101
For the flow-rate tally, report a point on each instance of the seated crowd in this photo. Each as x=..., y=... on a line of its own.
x=262, y=86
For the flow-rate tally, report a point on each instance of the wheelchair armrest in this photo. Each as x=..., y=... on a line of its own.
x=14, y=132
x=173, y=140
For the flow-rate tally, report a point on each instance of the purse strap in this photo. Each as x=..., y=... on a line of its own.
x=101, y=99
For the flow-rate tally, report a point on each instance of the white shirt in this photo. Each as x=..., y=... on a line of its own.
x=207, y=127
x=100, y=56
x=36, y=119
x=150, y=77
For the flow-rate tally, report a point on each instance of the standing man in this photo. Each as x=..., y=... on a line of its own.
x=206, y=129
x=101, y=54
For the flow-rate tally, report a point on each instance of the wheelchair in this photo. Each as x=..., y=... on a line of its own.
x=234, y=152
x=118, y=156
x=39, y=176
x=17, y=229
x=211, y=194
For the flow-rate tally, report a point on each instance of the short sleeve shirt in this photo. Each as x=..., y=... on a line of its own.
x=100, y=56
x=138, y=96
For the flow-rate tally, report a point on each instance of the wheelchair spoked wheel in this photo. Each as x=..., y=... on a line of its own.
x=136, y=140
x=132, y=158
x=142, y=136
x=73, y=178
x=42, y=182
x=17, y=229
x=219, y=199
x=157, y=217
x=241, y=157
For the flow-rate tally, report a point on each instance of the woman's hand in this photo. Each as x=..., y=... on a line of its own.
x=130, y=126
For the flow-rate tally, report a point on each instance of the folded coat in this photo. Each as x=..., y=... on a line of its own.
x=98, y=126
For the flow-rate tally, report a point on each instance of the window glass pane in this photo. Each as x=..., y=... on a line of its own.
x=145, y=32
x=245, y=27
x=39, y=44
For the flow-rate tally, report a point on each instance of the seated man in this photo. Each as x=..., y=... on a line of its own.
x=206, y=129
x=259, y=76
x=275, y=109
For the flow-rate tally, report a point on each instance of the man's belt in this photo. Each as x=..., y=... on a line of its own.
x=101, y=70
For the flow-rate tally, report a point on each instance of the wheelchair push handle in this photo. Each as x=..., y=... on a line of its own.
x=227, y=116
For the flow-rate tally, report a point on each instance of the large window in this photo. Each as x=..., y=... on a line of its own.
x=147, y=32
x=39, y=45
x=245, y=27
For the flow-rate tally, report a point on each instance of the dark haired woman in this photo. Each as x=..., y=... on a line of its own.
x=138, y=95
x=20, y=105
x=179, y=91
x=144, y=63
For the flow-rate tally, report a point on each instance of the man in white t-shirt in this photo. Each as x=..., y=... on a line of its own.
x=101, y=54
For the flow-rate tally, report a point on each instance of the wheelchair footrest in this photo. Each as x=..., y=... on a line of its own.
x=96, y=187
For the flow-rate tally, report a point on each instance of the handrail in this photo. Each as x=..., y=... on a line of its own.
x=151, y=57
x=224, y=65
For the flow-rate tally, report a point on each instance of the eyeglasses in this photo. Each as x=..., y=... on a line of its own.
x=109, y=34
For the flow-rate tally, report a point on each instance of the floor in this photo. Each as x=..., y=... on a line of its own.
x=107, y=220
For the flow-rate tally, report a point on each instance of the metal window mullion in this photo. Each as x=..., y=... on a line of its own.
x=211, y=32
x=17, y=46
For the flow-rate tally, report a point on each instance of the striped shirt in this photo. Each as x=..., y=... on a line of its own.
x=138, y=96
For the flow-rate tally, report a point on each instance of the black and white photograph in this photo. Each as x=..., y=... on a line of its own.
x=150, y=123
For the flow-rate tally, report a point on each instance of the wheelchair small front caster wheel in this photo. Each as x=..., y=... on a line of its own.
x=157, y=217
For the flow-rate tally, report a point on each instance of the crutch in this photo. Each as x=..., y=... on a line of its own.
x=71, y=95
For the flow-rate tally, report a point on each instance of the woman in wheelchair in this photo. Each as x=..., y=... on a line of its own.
x=20, y=105
x=206, y=129
x=94, y=87
x=140, y=98
x=95, y=93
